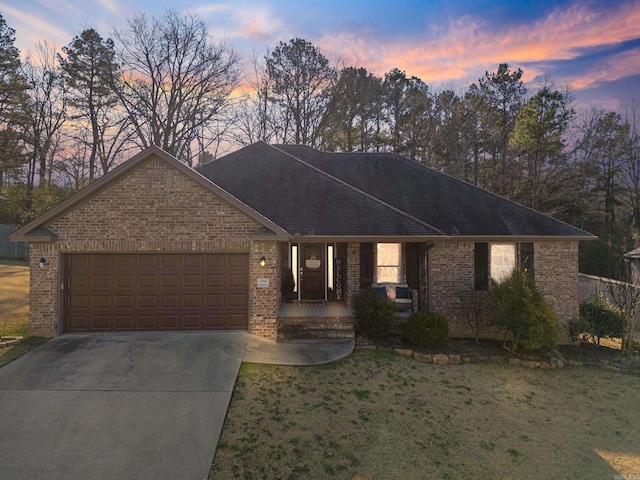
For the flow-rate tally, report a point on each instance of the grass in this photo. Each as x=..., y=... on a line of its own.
x=375, y=416
x=14, y=299
x=14, y=309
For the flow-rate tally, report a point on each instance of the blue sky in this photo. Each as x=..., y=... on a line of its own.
x=592, y=45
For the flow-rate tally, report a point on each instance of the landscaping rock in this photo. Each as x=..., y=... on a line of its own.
x=496, y=359
x=514, y=361
x=455, y=360
x=467, y=359
x=440, y=359
x=529, y=364
x=403, y=352
x=423, y=357
x=545, y=365
x=574, y=363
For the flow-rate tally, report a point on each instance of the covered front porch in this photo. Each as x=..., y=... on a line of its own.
x=318, y=319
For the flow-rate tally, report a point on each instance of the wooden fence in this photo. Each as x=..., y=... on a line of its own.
x=9, y=249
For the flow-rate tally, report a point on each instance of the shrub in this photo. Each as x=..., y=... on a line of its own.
x=599, y=318
x=522, y=313
x=374, y=314
x=427, y=329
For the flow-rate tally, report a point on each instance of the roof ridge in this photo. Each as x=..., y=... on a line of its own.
x=357, y=190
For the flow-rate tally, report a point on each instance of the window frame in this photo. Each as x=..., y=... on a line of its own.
x=398, y=266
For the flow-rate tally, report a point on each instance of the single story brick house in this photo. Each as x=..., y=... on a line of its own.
x=155, y=245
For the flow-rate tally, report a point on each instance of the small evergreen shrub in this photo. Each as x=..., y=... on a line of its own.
x=521, y=311
x=427, y=329
x=374, y=314
x=599, y=318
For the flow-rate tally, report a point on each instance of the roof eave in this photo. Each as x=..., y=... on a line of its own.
x=426, y=238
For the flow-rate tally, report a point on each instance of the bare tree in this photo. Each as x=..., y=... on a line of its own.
x=626, y=296
x=176, y=80
x=46, y=108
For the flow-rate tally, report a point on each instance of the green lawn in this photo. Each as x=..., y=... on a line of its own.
x=376, y=416
x=14, y=298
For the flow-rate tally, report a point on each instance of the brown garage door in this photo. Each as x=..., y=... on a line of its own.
x=156, y=291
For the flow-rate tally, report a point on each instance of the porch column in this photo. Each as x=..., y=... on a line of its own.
x=353, y=271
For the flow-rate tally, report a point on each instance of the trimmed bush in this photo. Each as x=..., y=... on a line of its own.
x=521, y=312
x=374, y=314
x=427, y=329
x=599, y=318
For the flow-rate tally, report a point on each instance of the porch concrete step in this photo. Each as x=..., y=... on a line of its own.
x=315, y=327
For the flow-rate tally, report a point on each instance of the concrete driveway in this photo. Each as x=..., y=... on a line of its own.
x=117, y=406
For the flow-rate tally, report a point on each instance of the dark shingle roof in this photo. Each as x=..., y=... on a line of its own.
x=369, y=194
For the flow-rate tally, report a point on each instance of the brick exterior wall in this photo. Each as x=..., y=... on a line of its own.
x=152, y=208
x=556, y=274
x=451, y=272
x=451, y=266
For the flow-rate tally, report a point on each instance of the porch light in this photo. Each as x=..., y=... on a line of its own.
x=42, y=262
x=263, y=261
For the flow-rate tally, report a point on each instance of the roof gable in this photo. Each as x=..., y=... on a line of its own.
x=36, y=230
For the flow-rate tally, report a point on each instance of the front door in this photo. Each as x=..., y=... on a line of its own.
x=312, y=272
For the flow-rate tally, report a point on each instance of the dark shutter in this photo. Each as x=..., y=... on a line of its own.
x=413, y=265
x=366, y=265
x=526, y=259
x=481, y=265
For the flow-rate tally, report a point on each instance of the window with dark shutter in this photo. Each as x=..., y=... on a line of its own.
x=481, y=266
x=366, y=265
x=526, y=258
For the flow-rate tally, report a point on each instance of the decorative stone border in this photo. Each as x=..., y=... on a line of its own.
x=9, y=341
x=453, y=359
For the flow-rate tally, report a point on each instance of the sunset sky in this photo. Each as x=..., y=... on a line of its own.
x=592, y=45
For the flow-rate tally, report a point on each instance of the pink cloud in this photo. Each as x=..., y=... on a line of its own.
x=459, y=50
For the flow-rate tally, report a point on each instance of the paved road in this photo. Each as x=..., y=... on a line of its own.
x=118, y=406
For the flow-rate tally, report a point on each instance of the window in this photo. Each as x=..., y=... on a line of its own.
x=502, y=261
x=388, y=261
x=493, y=260
x=294, y=266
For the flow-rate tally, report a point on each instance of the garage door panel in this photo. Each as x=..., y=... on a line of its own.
x=170, y=301
x=237, y=320
x=147, y=322
x=192, y=281
x=214, y=321
x=123, y=301
x=192, y=301
x=147, y=281
x=80, y=301
x=148, y=261
x=101, y=281
x=215, y=301
x=101, y=301
x=170, y=260
x=237, y=300
x=125, y=281
x=215, y=280
x=193, y=322
x=101, y=322
x=124, y=322
x=156, y=291
x=169, y=322
x=147, y=301
x=236, y=280
x=124, y=261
